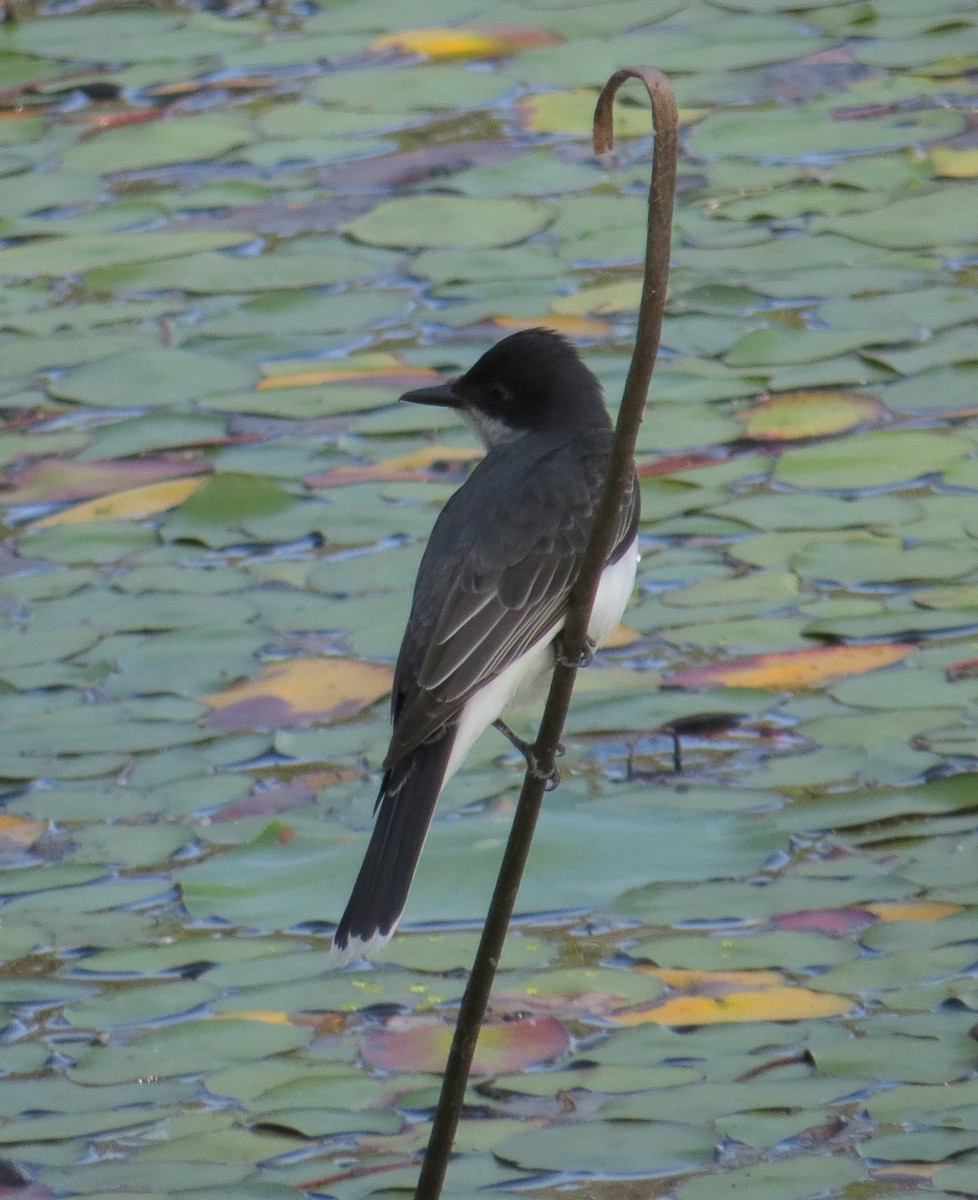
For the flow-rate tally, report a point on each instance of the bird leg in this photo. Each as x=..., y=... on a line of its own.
x=526, y=749
x=585, y=658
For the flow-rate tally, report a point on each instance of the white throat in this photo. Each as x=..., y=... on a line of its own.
x=491, y=431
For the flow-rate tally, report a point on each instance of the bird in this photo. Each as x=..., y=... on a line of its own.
x=491, y=594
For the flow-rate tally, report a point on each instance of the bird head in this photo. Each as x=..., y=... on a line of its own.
x=533, y=380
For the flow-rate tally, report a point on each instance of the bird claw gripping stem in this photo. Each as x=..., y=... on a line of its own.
x=584, y=659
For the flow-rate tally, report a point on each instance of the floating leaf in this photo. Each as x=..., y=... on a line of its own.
x=882, y=1056
x=935, y=219
x=622, y=636
x=417, y=464
x=455, y=950
x=794, y=134
x=949, y=162
x=18, y=833
x=778, y=347
x=767, y=1004
x=792, y=415
x=418, y=221
x=151, y=377
x=59, y=256
x=473, y=42
x=572, y=112
x=187, y=1048
x=176, y=140
x=570, y=326
x=410, y=1044
x=795, y=1178
x=621, y=296
x=611, y=1148
x=216, y=274
x=918, y=1146
x=303, y=691
x=389, y=372
x=826, y=920
x=134, y=502
x=231, y=497
x=872, y=459
x=705, y=982
x=912, y=910
x=795, y=669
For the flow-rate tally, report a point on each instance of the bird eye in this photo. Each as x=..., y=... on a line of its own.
x=498, y=393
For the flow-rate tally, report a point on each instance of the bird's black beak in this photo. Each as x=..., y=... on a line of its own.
x=442, y=394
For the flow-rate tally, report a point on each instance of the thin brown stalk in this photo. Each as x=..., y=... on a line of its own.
x=574, y=636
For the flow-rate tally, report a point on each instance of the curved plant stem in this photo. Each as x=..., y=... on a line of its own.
x=574, y=635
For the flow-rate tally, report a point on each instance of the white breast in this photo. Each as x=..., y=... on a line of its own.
x=614, y=592
x=489, y=703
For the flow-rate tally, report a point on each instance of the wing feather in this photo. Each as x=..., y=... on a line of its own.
x=500, y=563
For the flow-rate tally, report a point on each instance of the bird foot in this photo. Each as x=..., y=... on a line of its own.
x=584, y=659
x=525, y=748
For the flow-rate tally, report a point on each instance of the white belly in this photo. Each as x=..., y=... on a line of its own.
x=489, y=703
x=614, y=592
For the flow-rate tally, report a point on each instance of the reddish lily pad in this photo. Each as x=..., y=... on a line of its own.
x=826, y=920
x=410, y=1044
x=53, y=481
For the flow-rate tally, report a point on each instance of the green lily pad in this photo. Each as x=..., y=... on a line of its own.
x=172, y=141
x=59, y=256
x=792, y=1179
x=60, y=1127
x=872, y=459
x=212, y=273
x=94, y=542
x=771, y=347
x=217, y=513
x=428, y=221
x=189, y=1048
x=757, y=951
x=913, y=1060
x=456, y=951
x=611, y=1148
x=938, y=218
x=149, y=378
x=105, y=1178
x=796, y=134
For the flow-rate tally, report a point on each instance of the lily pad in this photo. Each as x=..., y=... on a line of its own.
x=611, y=1148
x=793, y=415
x=406, y=1045
x=799, y=134
x=793, y=1179
x=939, y=218
x=429, y=221
x=174, y=140
x=149, y=378
x=59, y=256
x=872, y=459
x=187, y=1049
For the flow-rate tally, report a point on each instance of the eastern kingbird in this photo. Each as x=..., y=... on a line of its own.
x=491, y=593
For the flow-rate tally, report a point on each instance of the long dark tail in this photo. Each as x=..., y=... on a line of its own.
x=404, y=810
